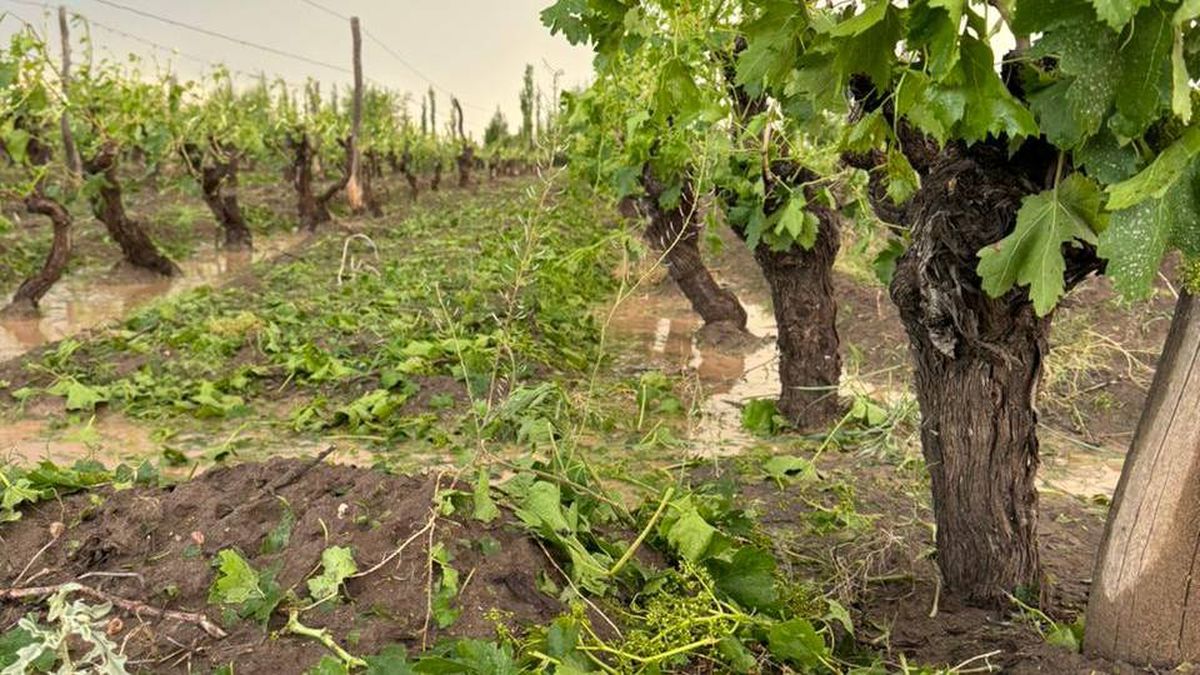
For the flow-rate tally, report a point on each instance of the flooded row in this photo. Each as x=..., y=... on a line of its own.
x=89, y=298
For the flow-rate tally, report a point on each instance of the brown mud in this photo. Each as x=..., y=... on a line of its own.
x=157, y=546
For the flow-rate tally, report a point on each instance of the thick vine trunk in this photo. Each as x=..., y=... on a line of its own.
x=676, y=232
x=978, y=361
x=1145, y=597
x=810, y=363
x=307, y=210
x=31, y=291
x=323, y=199
x=136, y=245
x=406, y=168
x=218, y=183
x=436, y=183
x=465, y=160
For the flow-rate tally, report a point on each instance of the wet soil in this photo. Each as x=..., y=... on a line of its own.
x=157, y=546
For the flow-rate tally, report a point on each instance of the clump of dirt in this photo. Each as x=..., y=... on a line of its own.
x=163, y=541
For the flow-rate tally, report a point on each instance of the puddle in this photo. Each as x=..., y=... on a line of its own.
x=112, y=439
x=662, y=326
x=84, y=300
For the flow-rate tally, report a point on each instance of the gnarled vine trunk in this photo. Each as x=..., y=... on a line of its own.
x=302, y=180
x=136, y=245
x=435, y=184
x=676, y=232
x=801, y=282
x=810, y=363
x=31, y=291
x=406, y=168
x=465, y=160
x=1145, y=597
x=218, y=184
x=978, y=361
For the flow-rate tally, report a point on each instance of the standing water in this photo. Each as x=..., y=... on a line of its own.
x=86, y=300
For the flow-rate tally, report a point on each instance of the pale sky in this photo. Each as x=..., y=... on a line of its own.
x=475, y=49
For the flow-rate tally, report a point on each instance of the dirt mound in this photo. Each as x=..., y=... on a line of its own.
x=162, y=543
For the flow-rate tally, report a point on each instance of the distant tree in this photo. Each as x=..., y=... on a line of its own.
x=432, y=113
x=527, y=98
x=497, y=129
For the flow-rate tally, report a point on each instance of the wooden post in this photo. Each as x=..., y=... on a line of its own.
x=354, y=188
x=72, y=153
x=1144, y=606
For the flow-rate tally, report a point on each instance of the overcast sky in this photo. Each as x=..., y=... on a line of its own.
x=475, y=49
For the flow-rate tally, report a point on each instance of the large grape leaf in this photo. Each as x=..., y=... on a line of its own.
x=1032, y=255
x=990, y=108
x=933, y=27
x=1074, y=108
x=772, y=46
x=1138, y=237
x=1144, y=78
x=860, y=52
x=1039, y=16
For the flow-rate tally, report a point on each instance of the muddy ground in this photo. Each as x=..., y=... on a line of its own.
x=157, y=546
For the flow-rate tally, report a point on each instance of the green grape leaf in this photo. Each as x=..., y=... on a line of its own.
x=1074, y=108
x=771, y=45
x=1181, y=87
x=798, y=642
x=1160, y=176
x=863, y=21
x=902, y=180
x=990, y=108
x=1032, y=255
x=748, y=578
x=1143, y=83
x=933, y=27
x=337, y=564
x=485, y=507
x=1106, y=160
x=1117, y=13
x=797, y=223
x=688, y=533
x=237, y=582
x=859, y=52
x=1139, y=236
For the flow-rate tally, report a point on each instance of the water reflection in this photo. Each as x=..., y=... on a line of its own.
x=662, y=326
x=89, y=298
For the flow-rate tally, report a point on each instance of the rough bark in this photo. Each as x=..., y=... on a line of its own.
x=465, y=160
x=676, y=232
x=978, y=361
x=108, y=207
x=1145, y=597
x=327, y=196
x=307, y=210
x=31, y=291
x=218, y=183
